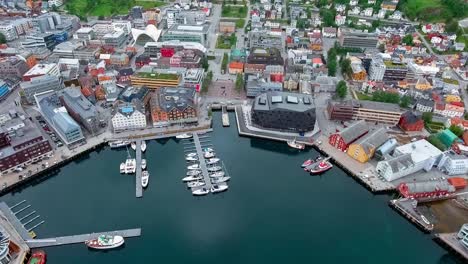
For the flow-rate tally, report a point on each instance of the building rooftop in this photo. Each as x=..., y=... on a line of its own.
x=388, y=107
x=283, y=100
x=354, y=131
x=420, y=150
x=168, y=98
x=155, y=75
x=39, y=69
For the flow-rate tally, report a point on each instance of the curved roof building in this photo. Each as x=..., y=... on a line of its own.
x=149, y=34
x=4, y=243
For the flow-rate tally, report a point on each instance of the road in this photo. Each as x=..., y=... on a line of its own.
x=389, y=21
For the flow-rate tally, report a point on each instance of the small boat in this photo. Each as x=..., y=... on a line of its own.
x=220, y=179
x=217, y=174
x=212, y=161
x=202, y=191
x=130, y=166
x=214, y=168
x=192, y=178
x=143, y=146
x=143, y=163
x=322, y=166
x=217, y=188
x=122, y=167
x=144, y=179
x=105, y=242
x=425, y=220
x=184, y=136
x=295, y=145
x=118, y=143
x=38, y=257
x=194, y=158
x=133, y=145
x=193, y=154
x=194, y=184
x=310, y=161
x=207, y=150
x=208, y=155
x=194, y=167
x=193, y=172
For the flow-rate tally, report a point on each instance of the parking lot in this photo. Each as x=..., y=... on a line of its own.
x=46, y=128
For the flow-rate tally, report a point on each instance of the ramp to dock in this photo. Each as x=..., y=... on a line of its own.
x=201, y=159
x=138, y=187
x=67, y=240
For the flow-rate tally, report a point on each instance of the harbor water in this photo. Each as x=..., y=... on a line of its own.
x=273, y=212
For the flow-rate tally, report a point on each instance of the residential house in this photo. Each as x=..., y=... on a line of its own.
x=411, y=122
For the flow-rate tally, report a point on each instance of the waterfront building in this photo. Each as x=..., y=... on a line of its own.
x=284, y=111
x=409, y=121
x=154, y=79
x=13, y=66
x=425, y=189
x=42, y=69
x=463, y=232
x=270, y=56
x=173, y=106
x=350, y=38
x=80, y=108
x=13, y=249
x=453, y=164
x=115, y=38
x=408, y=159
x=22, y=143
x=193, y=78
x=363, y=149
x=383, y=151
x=187, y=33
x=129, y=116
x=342, y=139
x=40, y=84
x=364, y=110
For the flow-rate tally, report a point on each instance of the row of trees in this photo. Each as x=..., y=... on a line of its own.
x=331, y=63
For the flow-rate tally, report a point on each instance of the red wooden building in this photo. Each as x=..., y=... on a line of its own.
x=411, y=122
x=341, y=140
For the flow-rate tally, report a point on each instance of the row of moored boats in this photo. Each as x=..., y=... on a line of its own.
x=317, y=165
x=130, y=166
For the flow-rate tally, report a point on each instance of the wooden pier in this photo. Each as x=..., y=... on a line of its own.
x=405, y=207
x=138, y=187
x=67, y=240
x=225, y=116
x=201, y=159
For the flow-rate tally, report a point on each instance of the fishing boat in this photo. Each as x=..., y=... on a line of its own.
x=217, y=174
x=214, y=168
x=217, y=188
x=295, y=145
x=144, y=179
x=193, y=172
x=118, y=143
x=194, y=184
x=193, y=154
x=143, y=146
x=207, y=150
x=122, y=167
x=220, y=179
x=208, y=155
x=194, y=158
x=105, y=242
x=192, y=178
x=202, y=191
x=38, y=257
x=184, y=136
x=320, y=166
x=194, y=167
x=133, y=145
x=143, y=164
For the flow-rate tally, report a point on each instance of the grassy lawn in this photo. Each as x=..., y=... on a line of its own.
x=222, y=39
x=84, y=8
x=435, y=10
x=240, y=23
x=234, y=11
x=362, y=96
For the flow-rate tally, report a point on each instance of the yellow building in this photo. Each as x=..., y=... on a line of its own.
x=423, y=84
x=363, y=149
x=452, y=98
x=155, y=80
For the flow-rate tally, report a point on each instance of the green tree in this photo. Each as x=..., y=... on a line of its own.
x=224, y=63
x=204, y=63
x=458, y=131
x=466, y=116
x=408, y=40
x=346, y=68
x=207, y=82
x=452, y=26
x=308, y=12
x=328, y=17
x=405, y=101
x=376, y=23
x=239, y=82
x=427, y=117
x=331, y=64
x=341, y=89
x=2, y=39
x=386, y=97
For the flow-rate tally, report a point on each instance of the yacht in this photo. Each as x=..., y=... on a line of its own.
x=133, y=145
x=122, y=167
x=212, y=161
x=194, y=167
x=105, y=242
x=214, y=168
x=208, y=155
x=295, y=145
x=202, y=191
x=217, y=188
x=194, y=184
x=130, y=166
x=143, y=146
x=193, y=154
x=118, y=143
x=207, y=150
x=220, y=179
x=194, y=158
x=193, y=172
x=143, y=163
x=144, y=179
x=192, y=178
x=217, y=174
x=184, y=136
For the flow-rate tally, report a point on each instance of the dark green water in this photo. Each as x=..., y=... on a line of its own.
x=272, y=213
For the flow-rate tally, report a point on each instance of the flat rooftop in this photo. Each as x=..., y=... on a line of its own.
x=283, y=100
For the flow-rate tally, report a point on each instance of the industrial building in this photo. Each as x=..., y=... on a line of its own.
x=284, y=111
x=342, y=139
x=363, y=149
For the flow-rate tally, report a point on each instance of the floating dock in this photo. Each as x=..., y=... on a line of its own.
x=67, y=240
x=225, y=116
x=138, y=187
x=406, y=207
x=451, y=242
x=201, y=159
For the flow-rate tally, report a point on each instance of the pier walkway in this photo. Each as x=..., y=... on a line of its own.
x=138, y=187
x=201, y=159
x=66, y=240
x=11, y=217
x=225, y=116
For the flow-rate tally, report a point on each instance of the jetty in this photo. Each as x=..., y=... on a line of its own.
x=201, y=159
x=75, y=239
x=451, y=242
x=225, y=116
x=138, y=187
x=407, y=208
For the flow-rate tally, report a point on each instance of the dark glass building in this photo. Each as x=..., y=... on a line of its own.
x=291, y=112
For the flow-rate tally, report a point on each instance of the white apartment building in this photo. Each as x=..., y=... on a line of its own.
x=129, y=117
x=454, y=164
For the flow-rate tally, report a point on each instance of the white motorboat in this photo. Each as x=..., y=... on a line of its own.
x=194, y=167
x=143, y=163
x=217, y=174
x=220, y=179
x=194, y=158
x=118, y=143
x=214, y=168
x=130, y=166
x=193, y=154
x=207, y=150
x=105, y=242
x=133, y=145
x=212, y=161
x=202, y=191
x=217, y=188
x=195, y=184
x=144, y=179
x=296, y=145
x=192, y=178
x=122, y=167
x=184, y=136
x=208, y=155
x=193, y=172
x=143, y=146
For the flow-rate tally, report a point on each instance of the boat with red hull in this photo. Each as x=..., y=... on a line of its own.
x=38, y=257
x=310, y=162
x=318, y=166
